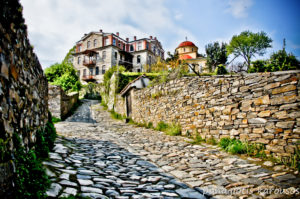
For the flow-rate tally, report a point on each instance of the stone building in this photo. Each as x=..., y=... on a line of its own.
x=96, y=52
x=188, y=52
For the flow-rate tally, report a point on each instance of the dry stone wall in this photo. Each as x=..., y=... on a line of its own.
x=261, y=108
x=23, y=90
x=60, y=103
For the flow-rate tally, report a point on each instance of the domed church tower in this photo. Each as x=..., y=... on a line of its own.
x=188, y=51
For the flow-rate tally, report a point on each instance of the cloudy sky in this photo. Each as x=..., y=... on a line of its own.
x=55, y=25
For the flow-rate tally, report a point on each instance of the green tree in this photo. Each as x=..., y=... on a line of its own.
x=247, y=44
x=69, y=57
x=216, y=54
x=281, y=60
x=63, y=75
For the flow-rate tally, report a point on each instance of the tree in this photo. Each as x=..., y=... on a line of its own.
x=63, y=75
x=247, y=44
x=69, y=57
x=281, y=60
x=216, y=54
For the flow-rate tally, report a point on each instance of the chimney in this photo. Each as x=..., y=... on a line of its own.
x=118, y=34
x=100, y=30
x=155, y=38
x=134, y=38
x=127, y=39
x=150, y=37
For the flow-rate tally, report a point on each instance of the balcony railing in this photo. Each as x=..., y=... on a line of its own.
x=88, y=77
x=89, y=63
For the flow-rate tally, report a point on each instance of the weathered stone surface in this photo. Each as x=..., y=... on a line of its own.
x=257, y=121
x=54, y=190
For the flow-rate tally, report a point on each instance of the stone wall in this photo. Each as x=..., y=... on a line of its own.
x=60, y=103
x=23, y=90
x=261, y=108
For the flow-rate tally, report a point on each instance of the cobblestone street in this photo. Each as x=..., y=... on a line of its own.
x=99, y=157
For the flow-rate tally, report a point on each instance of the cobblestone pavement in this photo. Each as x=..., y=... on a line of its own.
x=105, y=158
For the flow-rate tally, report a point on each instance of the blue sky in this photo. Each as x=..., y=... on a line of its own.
x=55, y=25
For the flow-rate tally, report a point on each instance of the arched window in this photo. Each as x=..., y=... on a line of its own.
x=78, y=60
x=88, y=44
x=95, y=42
x=131, y=48
x=138, y=59
x=97, y=70
x=104, y=55
x=103, y=69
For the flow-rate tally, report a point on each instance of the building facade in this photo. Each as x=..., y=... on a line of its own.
x=188, y=52
x=96, y=52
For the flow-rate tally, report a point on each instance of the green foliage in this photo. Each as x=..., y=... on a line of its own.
x=216, y=54
x=173, y=130
x=161, y=126
x=247, y=44
x=258, y=66
x=211, y=141
x=31, y=180
x=55, y=120
x=63, y=75
x=150, y=125
x=108, y=74
x=197, y=140
x=45, y=140
x=105, y=107
x=4, y=155
x=69, y=58
x=90, y=92
x=156, y=95
x=221, y=70
x=116, y=115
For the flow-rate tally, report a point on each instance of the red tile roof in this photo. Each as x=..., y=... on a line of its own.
x=185, y=57
x=186, y=43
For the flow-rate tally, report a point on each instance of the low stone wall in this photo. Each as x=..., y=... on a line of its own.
x=60, y=103
x=23, y=91
x=120, y=107
x=260, y=107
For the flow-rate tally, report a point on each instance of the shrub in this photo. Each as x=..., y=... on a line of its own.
x=197, y=140
x=55, y=120
x=161, y=126
x=212, y=141
x=221, y=70
x=115, y=115
x=173, y=130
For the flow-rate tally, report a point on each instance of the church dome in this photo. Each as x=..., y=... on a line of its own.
x=186, y=43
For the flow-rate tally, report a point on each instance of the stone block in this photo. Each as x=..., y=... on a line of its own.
x=258, y=130
x=285, y=125
x=257, y=121
x=289, y=106
x=266, y=113
x=270, y=86
x=283, y=89
x=262, y=100
x=280, y=115
x=241, y=115
x=276, y=149
x=283, y=99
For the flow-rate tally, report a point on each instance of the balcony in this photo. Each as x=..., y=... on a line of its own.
x=88, y=78
x=89, y=63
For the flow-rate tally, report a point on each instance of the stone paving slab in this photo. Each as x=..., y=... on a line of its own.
x=111, y=159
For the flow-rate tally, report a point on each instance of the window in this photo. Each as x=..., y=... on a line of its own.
x=183, y=49
x=104, y=55
x=138, y=59
x=124, y=47
x=79, y=48
x=97, y=70
x=149, y=60
x=95, y=42
x=91, y=71
x=116, y=55
x=140, y=46
x=105, y=41
x=103, y=69
x=84, y=72
x=119, y=44
x=131, y=48
x=192, y=49
x=138, y=70
x=88, y=44
x=114, y=42
x=97, y=57
x=147, y=46
x=78, y=60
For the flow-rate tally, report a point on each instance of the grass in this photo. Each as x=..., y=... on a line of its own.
x=161, y=126
x=173, y=130
x=105, y=107
x=116, y=116
x=55, y=120
x=197, y=140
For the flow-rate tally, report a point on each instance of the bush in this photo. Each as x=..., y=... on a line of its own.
x=63, y=75
x=55, y=120
x=173, y=130
x=161, y=126
x=221, y=70
x=115, y=115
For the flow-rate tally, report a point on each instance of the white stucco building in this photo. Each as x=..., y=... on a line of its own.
x=96, y=52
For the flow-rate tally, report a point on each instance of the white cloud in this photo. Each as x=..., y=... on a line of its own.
x=238, y=8
x=55, y=25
